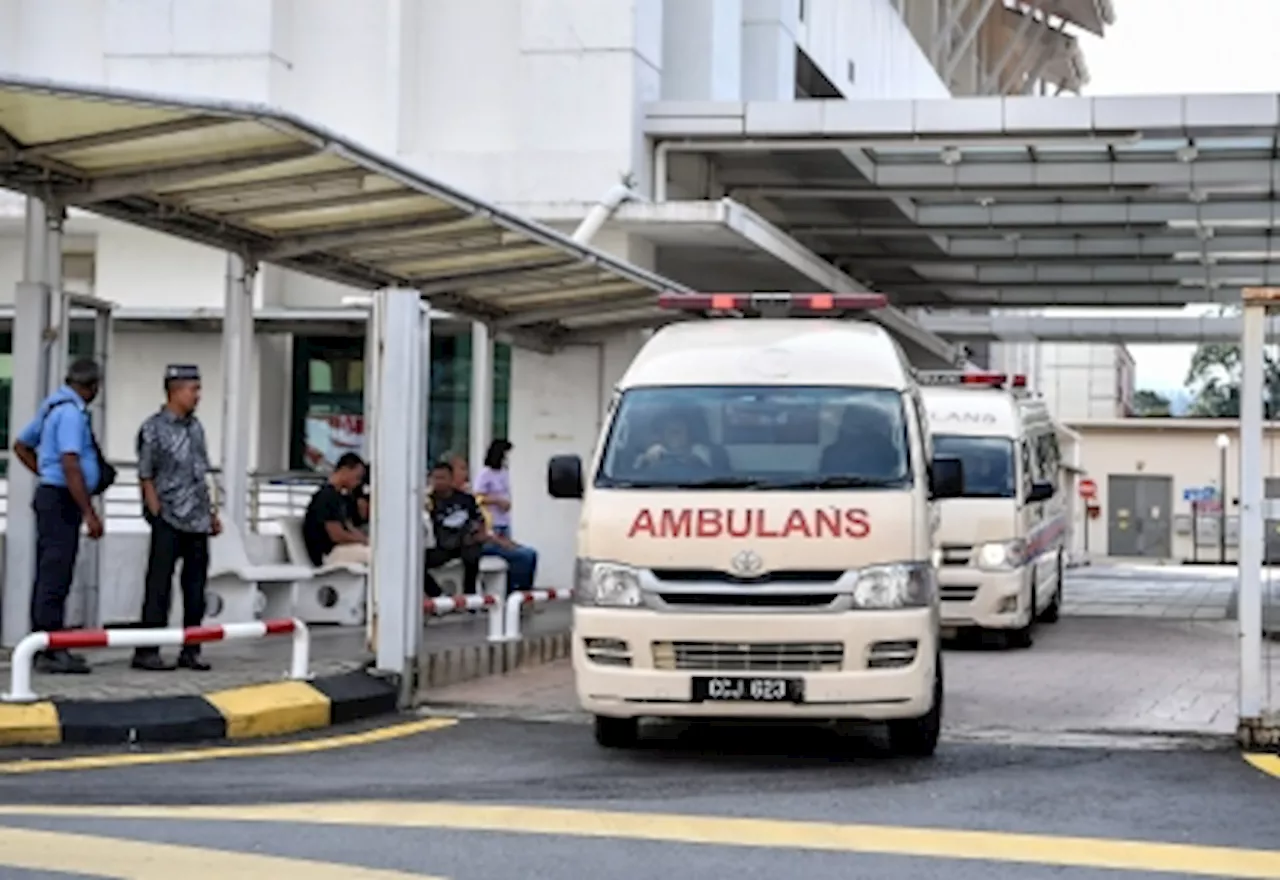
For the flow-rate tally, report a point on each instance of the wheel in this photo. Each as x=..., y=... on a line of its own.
x=1054, y=611
x=1023, y=637
x=617, y=733
x=918, y=737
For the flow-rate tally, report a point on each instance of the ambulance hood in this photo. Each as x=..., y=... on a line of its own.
x=970, y=521
x=816, y=530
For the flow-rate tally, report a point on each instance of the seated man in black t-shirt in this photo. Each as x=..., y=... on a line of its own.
x=327, y=529
x=459, y=530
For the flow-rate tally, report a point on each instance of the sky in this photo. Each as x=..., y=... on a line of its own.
x=1180, y=47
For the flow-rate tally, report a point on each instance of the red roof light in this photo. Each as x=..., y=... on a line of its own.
x=787, y=303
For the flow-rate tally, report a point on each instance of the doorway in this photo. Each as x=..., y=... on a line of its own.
x=1140, y=521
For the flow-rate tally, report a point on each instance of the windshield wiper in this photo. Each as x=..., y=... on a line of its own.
x=845, y=481
x=712, y=483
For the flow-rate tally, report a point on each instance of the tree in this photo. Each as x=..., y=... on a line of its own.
x=1214, y=381
x=1148, y=403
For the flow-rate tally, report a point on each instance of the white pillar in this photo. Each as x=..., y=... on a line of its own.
x=481, y=429
x=702, y=50
x=58, y=338
x=398, y=449
x=1249, y=607
x=30, y=318
x=769, y=50
x=237, y=397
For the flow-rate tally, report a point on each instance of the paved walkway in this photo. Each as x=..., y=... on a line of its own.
x=1178, y=592
x=1094, y=675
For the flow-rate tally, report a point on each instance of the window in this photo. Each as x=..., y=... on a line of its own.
x=989, y=470
x=328, y=397
x=79, y=344
x=1048, y=457
x=758, y=437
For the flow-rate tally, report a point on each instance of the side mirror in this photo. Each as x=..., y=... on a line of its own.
x=1040, y=491
x=564, y=476
x=946, y=478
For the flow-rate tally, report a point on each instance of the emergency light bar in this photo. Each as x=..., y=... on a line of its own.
x=773, y=303
x=985, y=380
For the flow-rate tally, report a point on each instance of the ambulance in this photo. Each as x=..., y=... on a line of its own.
x=756, y=526
x=1003, y=541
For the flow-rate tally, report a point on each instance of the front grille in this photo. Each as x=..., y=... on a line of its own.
x=750, y=600
x=956, y=554
x=749, y=657
x=957, y=593
x=782, y=576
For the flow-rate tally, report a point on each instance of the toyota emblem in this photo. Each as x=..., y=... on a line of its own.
x=747, y=564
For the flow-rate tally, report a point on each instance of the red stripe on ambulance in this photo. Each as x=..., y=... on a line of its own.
x=716, y=522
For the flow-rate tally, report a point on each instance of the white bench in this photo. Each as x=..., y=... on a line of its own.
x=336, y=593
x=239, y=590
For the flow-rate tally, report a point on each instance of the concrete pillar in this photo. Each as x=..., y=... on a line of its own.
x=702, y=50
x=30, y=319
x=1253, y=684
x=769, y=50
x=481, y=426
x=237, y=396
x=55, y=343
x=398, y=446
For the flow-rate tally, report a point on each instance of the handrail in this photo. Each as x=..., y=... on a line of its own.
x=24, y=654
x=511, y=626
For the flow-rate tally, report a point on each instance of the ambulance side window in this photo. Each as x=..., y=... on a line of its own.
x=1028, y=465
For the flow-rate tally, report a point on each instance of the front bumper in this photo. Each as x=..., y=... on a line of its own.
x=991, y=600
x=666, y=651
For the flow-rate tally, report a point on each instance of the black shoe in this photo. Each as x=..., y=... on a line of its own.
x=151, y=663
x=62, y=663
x=193, y=662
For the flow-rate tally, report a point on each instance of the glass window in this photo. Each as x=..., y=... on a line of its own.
x=989, y=470
x=761, y=437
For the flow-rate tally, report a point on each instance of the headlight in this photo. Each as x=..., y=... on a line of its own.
x=903, y=585
x=606, y=583
x=1000, y=555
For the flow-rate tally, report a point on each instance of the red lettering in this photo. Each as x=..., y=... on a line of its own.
x=710, y=523
x=643, y=523
x=796, y=523
x=676, y=525
x=762, y=529
x=828, y=522
x=743, y=529
x=856, y=523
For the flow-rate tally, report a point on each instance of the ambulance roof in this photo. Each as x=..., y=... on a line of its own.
x=767, y=351
x=976, y=411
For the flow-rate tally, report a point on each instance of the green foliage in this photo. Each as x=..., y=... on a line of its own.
x=1149, y=404
x=1214, y=381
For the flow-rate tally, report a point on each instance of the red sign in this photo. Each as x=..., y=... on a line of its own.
x=1088, y=489
x=712, y=522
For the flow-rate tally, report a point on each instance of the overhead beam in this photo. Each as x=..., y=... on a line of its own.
x=115, y=137
x=1206, y=175
x=1240, y=275
x=952, y=64
x=1091, y=295
x=1066, y=214
x=1253, y=245
x=1179, y=329
x=302, y=207
x=994, y=75
x=611, y=303
x=424, y=225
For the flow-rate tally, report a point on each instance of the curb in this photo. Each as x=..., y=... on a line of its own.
x=454, y=665
x=252, y=712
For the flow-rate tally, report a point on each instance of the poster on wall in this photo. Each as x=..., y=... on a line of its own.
x=330, y=436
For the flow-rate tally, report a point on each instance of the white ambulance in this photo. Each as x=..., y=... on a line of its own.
x=1003, y=540
x=756, y=530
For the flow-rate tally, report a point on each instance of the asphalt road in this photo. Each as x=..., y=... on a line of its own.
x=490, y=798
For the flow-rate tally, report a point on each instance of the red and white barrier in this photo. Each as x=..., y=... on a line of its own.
x=516, y=601
x=454, y=604
x=80, y=639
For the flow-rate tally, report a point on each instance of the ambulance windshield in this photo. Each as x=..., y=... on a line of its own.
x=765, y=437
x=987, y=462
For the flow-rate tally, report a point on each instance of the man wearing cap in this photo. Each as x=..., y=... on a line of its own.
x=59, y=448
x=173, y=464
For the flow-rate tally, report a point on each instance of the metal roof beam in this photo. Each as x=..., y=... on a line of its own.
x=1067, y=214
x=347, y=235
x=1204, y=175
x=1092, y=295
x=1165, y=246
x=115, y=137
x=952, y=64
x=158, y=177
x=268, y=185
x=1183, y=329
x=302, y=206
x=638, y=295
x=1238, y=274
x=430, y=285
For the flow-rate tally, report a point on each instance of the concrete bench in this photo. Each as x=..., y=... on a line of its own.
x=239, y=590
x=336, y=593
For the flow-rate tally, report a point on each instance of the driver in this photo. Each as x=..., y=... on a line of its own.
x=675, y=446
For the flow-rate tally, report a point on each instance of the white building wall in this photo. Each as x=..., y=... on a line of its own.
x=870, y=40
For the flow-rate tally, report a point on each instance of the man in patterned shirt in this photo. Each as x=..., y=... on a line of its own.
x=173, y=463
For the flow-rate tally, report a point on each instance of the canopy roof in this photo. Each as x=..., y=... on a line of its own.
x=1018, y=201
x=277, y=189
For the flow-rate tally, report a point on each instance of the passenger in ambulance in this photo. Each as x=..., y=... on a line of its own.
x=863, y=447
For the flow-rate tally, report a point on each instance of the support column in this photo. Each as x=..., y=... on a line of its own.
x=398, y=448
x=30, y=320
x=1252, y=345
x=237, y=396
x=481, y=427
x=57, y=334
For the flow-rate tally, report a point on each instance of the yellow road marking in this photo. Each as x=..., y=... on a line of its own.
x=1035, y=849
x=1269, y=764
x=134, y=860
x=302, y=747
x=274, y=709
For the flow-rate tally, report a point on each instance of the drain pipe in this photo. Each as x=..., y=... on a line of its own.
x=602, y=210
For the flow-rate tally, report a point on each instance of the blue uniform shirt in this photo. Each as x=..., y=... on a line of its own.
x=57, y=431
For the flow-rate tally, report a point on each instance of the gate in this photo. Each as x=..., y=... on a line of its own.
x=1139, y=522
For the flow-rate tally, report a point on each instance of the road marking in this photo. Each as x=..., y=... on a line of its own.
x=274, y=709
x=1269, y=764
x=187, y=756
x=1033, y=849
x=133, y=860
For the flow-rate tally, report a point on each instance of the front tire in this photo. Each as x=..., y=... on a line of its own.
x=1023, y=638
x=918, y=737
x=617, y=733
x=1054, y=611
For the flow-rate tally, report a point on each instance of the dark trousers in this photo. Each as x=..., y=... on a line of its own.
x=168, y=546
x=470, y=556
x=58, y=521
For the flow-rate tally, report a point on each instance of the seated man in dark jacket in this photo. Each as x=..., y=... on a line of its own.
x=459, y=529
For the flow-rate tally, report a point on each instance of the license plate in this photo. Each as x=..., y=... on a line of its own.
x=747, y=689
